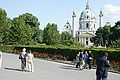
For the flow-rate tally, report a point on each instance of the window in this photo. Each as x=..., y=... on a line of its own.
x=87, y=17
x=80, y=26
x=66, y=26
x=87, y=25
x=86, y=41
x=78, y=39
x=94, y=25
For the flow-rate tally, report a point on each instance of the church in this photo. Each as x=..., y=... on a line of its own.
x=87, y=26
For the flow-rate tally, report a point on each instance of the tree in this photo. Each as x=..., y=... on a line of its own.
x=30, y=20
x=3, y=24
x=20, y=33
x=33, y=22
x=106, y=35
x=38, y=36
x=6, y=31
x=115, y=35
x=102, y=36
x=97, y=40
x=51, y=35
x=115, y=31
x=67, y=39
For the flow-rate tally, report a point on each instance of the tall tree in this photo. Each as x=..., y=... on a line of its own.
x=102, y=36
x=3, y=24
x=67, y=39
x=6, y=31
x=115, y=31
x=106, y=35
x=20, y=33
x=98, y=40
x=115, y=35
x=33, y=22
x=51, y=35
x=38, y=36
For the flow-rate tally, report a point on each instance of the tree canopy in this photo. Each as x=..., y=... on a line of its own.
x=67, y=39
x=4, y=25
x=51, y=34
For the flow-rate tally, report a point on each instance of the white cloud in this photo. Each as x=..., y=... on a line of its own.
x=111, y=14
x=111, y=9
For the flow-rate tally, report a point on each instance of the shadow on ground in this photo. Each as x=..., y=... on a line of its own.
x=69, y=67
x=14, y=69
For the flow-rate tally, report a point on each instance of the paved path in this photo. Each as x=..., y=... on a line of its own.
x=45, y=70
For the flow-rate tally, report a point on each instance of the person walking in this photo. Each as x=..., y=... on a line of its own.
x=102, y=67
x=89, y=60
x=77, y=60
x=30, y=61
x=0, y=59
x=85, y=58
x=22, y=57
x=81, y=58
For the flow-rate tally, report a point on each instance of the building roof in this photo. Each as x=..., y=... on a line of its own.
x=87, y=13
x=87, y=34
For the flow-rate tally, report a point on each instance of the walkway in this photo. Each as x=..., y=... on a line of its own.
x=45, y=70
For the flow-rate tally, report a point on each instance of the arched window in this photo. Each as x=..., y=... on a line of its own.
x=66, y=26
x=87, y=25
x=86, y=41
x=87, y=17
x=80, y=26
x=78, y=39
x=94, y=25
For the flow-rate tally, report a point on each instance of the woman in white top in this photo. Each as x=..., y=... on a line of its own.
x=0, y=59
x=30, y=61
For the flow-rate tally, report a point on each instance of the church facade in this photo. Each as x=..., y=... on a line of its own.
x=87, y=27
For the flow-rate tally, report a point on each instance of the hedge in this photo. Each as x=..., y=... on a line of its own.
x=66, y=53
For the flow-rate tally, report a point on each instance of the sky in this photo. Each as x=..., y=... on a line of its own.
x=60, y=11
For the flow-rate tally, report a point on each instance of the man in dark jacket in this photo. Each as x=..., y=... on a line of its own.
x=102, y=67
x=89, y=60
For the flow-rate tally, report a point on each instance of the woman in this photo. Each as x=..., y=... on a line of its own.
x=30, y=61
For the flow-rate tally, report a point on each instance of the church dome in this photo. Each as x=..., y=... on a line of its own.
x=87, y=13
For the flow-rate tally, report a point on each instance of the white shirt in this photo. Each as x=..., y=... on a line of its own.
x=30, y=56
x=23, y=54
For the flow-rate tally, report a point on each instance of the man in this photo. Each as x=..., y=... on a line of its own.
x=77, y=60
x=85, y=59
x=81, y=58
x=0, y=59
x=22, y=57
x=30, y=61
x=89, y=60
x=102, y=67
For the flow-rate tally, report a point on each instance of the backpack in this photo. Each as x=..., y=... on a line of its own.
x=21, y=57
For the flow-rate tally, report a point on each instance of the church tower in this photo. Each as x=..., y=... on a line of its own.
x=67, y=28
x=87, y=26
x=101, y=19
x=73, y=23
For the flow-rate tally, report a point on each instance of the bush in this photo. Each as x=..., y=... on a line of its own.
x=65, y=53
x=7, y=48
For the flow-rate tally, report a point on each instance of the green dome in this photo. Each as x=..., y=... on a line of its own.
x=87, y=13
